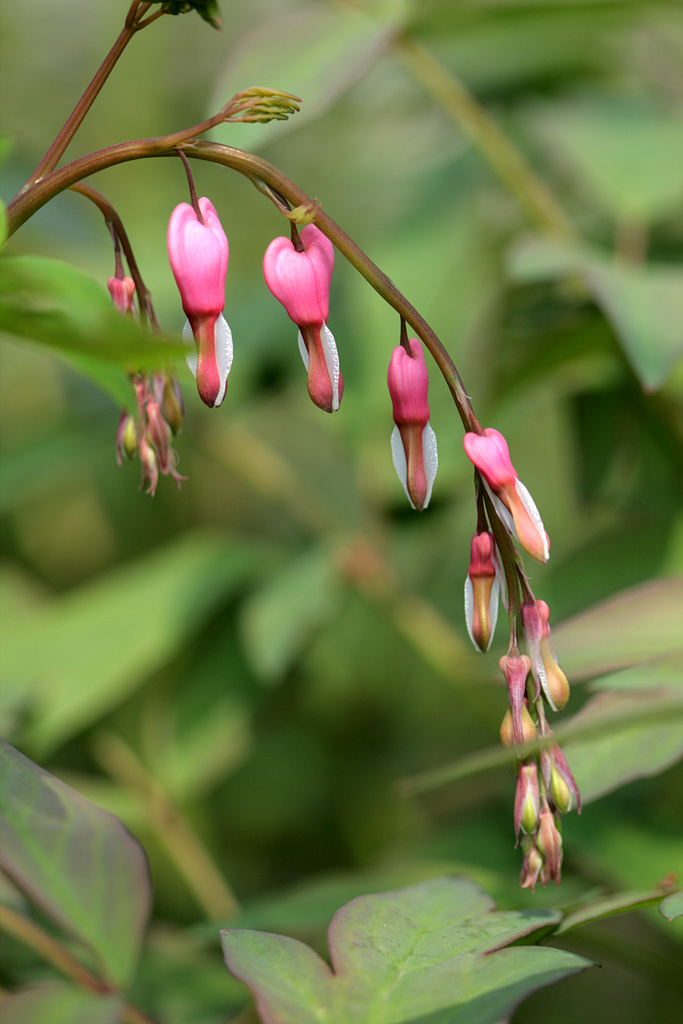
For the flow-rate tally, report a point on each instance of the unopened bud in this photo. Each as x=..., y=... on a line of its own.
x=532, y=865
x=126, y=438
x=559, y=781
x=527, y=800
x=515, y=668
x=550, y=843
x=529, y=732
x=172, y=404
x=481, y=592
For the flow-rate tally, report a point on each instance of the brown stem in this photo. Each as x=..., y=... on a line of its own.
x=31, y=934
x=273, y=183
x=193, y=191
x=111, y=217
x=75, y=118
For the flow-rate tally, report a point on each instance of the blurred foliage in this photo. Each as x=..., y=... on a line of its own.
x=241, y=670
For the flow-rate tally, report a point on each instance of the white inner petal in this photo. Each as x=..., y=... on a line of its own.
x=191, y=354
x=534, y=515
x=223, y=349
x=493, y=610
x=399, y=458
x=430, y=459
x=469, y=609
x=304, y=351
x=331, y=362
x=502, y=511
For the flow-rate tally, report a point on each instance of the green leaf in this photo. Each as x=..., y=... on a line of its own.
x=433, y=951
x=57, y=305
x=85, y=652
x=609, y=906
x=671, y=906
x=634, y=626
x=76, y=862
x=316, y=52
x=58, y=1003
x=626, y=152
x=643, y=304
x=645, y=307
x=279, y=619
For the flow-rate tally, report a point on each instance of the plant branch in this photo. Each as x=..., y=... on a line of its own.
x=50, y=949
x=112, y=218
x=184, y=848
x=132, y=25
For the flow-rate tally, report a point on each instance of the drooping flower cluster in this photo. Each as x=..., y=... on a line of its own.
x=298, y=272
x=148, y=431
x=546, y=788
x=158, y=414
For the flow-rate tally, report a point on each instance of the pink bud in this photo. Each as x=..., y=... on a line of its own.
x=481, y=592
x=550, y=844
x=413, y=442
x=532, y=864
x=515, y=668
x=489, y=453
x=198, y=254
x=557, y=684
x=301, y=282
x=122, y=290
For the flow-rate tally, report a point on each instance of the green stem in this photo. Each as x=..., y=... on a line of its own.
x=50, y=949
x=193, y=861
x=133, y=24
x=538, y=203
x=273, y=183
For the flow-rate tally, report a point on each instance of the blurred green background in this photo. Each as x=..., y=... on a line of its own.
x=242, y=669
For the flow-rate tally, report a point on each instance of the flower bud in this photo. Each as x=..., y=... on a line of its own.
x=515, y=668
x=172, y=404
x=122, y=290
x=413, y=442
x=301, y=282
x=532, y=864
x=527, y=800
x=126, y=438
x=549, y=842
x=150, y=468
x=481, y=592
x=556, y=681
x=489, y=453
x=198, y=253
x=529, y=731
x=559, y=781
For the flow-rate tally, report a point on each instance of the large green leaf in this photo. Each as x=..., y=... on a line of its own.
x=83, y=653
x=317, y=52
x=643, y=304
x=76, y=862
x=634, y=626
x=57, y=305
x=625, y=152
x=57, y=1003
x=431, y=952
x=628, y=733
